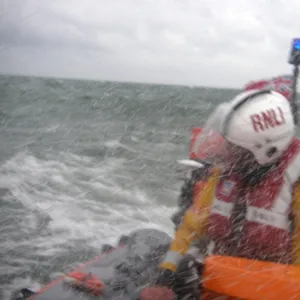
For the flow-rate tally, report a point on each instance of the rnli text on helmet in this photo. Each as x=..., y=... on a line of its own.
x=266, y=119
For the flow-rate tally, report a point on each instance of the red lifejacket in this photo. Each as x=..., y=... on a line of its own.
x=265, y=232
x=282, y=84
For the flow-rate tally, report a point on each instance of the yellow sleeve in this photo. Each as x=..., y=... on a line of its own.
x=193, y=225
x=296, y=233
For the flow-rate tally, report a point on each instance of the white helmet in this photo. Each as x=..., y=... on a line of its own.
x=260, y=121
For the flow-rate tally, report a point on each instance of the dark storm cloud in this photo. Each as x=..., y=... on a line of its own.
x=194, y=41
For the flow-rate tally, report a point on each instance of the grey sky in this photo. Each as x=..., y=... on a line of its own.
x=202, y=42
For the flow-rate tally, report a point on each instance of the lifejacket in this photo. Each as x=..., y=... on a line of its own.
x=267, y=223
x=282, y=84
x=264, y=231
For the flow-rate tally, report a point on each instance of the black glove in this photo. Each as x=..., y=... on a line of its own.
x=188, y=277
x=165, y=278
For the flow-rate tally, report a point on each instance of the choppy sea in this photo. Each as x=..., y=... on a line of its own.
x=82, y=162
